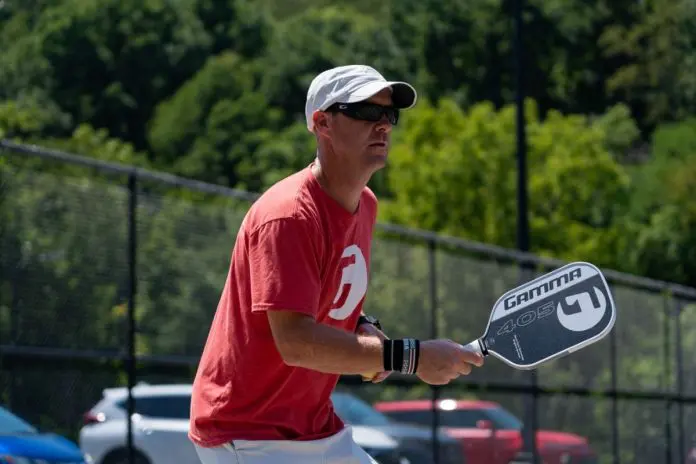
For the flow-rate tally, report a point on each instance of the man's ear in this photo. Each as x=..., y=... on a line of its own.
x=321, y=121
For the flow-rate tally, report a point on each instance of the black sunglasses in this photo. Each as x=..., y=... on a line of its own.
x=364, y=111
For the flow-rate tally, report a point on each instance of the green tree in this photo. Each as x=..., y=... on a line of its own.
x=111, y=62
x=26, y=117
x=674, y=140
x=318, y=39
x=663, y=223
x=465, y=50
x=26, y=105
x=658, y=72
x=183, y=260
x=279, y=156
x=235, y=25
x=283, y=9
x=455, y=173
x=62, y=287
x=214, y=123
x=85, y=141
x=661, y=214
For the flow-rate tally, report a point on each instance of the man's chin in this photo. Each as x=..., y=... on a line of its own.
x=379, y=152
x=379, y=159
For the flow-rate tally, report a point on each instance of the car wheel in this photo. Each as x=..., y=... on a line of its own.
x=121, y=457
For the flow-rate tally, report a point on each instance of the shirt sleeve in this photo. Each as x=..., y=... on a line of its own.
x=285, y=266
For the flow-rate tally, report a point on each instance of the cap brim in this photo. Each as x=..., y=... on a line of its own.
x=404, y=96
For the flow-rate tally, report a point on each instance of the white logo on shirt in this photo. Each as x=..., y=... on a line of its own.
x=353, y=284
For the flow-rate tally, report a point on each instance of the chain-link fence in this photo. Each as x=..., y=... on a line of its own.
x=110, y=277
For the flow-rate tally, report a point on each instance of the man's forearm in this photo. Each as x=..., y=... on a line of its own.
x=327, y=349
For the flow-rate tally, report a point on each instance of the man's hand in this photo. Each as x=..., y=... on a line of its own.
x=442, y=361
x=369, y=329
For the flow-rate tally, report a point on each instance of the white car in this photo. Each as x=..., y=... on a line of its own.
x=161, y=424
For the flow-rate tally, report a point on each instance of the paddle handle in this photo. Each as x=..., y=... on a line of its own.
x=477, y=347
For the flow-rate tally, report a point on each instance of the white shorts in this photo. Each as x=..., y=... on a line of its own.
x=336, y=449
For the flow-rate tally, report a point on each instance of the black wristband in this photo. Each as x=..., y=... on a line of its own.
x=387, y=356
x=401, y=355
x=397, y=355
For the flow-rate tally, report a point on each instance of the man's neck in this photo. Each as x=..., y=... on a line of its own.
x=341, y=186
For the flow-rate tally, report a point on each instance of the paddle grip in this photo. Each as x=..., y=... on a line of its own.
x=476, y=347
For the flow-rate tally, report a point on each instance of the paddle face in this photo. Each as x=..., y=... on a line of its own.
x=550, y=316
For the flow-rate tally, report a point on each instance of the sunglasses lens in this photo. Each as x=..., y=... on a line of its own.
x=393, y=116
x=374, y=113
x=368, y=112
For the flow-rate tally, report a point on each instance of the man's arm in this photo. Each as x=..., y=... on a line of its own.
x=304, y=343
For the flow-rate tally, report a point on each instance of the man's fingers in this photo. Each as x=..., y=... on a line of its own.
x=465, y=369
x=470, y=357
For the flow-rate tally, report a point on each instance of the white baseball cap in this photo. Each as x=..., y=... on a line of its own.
x=350, y=84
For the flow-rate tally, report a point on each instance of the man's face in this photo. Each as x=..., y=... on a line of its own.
x=360, y=145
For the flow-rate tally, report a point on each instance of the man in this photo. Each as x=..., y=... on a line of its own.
x=289, y=320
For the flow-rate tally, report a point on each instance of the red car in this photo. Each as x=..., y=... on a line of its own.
x=691, y=458
x=489, y=433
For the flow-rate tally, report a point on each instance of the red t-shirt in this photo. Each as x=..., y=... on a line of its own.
x=297, y=250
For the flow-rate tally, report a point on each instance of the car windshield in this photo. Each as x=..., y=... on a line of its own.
x=460, y=418
x=503, y=419
x=161, y=407
x=355, y=411
x=13, y=425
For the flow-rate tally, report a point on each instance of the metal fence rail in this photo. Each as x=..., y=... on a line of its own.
x=111, y=276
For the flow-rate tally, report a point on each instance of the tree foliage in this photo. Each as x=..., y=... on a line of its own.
x=214, y=123
x=455, y=172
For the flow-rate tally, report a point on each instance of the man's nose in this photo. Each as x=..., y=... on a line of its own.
x=384, y=125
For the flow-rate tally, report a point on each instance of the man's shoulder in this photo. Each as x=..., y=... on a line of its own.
x=370, y=199
x=370, y=195
x=282, y=201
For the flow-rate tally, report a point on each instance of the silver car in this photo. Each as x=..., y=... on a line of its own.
x=161, y=424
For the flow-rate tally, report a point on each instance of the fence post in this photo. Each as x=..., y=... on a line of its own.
x=680, y=378
x=14, y=329
x=668, y=376
x=432, y=264
x=613, y=359
x=534, y=417
x=530, y=452
x=531, y=415
x=132, y=291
